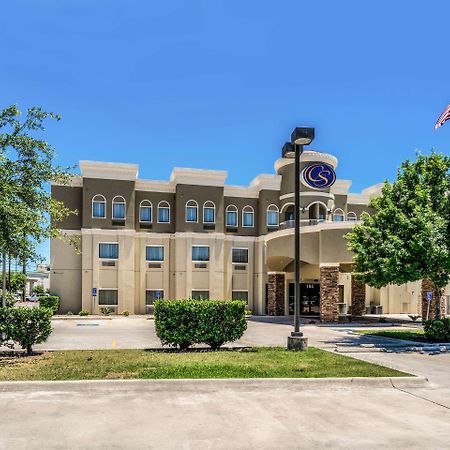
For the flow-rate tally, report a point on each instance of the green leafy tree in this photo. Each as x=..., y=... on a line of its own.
x=39, y=289
x=18, y=281
x=26, y=169
x=408, y=236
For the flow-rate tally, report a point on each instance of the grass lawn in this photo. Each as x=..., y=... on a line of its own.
x=409, y=335
x=121, y=364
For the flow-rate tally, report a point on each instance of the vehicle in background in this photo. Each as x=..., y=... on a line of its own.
x=34, y=297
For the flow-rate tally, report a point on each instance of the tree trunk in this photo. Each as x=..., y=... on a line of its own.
x=9, y=273
x=3, y=279
x=24, y=271
x=438, y=294
x=29, y=349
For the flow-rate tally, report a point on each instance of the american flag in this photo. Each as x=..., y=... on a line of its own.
x=443, y=117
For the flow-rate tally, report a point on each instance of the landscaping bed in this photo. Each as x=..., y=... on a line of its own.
x=407, y=335
x=141, y=364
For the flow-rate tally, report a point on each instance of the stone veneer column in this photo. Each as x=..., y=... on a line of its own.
x=358, y=297
x=329, y=292
x=275, y=294
x=427, y=285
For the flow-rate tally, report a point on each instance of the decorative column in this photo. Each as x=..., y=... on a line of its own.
x=275, y=294
x=358, y=297
x=329, y=292
x=427, y=286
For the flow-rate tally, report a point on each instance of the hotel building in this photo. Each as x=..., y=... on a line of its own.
x=194, y=236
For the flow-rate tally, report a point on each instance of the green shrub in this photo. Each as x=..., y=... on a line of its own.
x=437, y=330
x=185, y=322
x=248, y=312
x=106, y=310
x=50, y=302
x=38, y=289
x=126, y=313
x=83, y=312
x=69, y=313
x=26, y=326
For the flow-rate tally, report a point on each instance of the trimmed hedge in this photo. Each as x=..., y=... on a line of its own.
x=185, y=322
x=50, y=302
x=437, y=330
x=26, y=326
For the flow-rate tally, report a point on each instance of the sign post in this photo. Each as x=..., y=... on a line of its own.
x=429, y=298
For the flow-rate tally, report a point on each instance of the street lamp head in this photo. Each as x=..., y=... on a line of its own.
x=288, y=150
x=302, y=136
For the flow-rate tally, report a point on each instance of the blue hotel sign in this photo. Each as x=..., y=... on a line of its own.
x=318, y=176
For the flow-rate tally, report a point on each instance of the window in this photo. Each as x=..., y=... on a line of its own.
x=98, y=207
x=247, y=216
x=200, y=295
x=272, y=216
x=209, y=212
x=231, y=216
x=118, y=208
x=154, y=253
x=152, y=295
x=191, y=211
x=108, y=250
x=351, y=216
x=240, y=295
x=338, y=215
x=107, y=297
x=163, y=212
x=145, y=211
x=240, y=255
x=364, y=215
x=200, y=253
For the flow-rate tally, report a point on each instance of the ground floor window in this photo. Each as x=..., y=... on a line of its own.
x=108, y=250
x=200, y=295
x=107, y=297
x=152, y=295
x=240, y=255
x=240, y=295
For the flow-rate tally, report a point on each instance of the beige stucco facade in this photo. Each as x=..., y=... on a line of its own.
x=243, y=220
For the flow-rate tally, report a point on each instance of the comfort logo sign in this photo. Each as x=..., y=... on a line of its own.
x=318, y=176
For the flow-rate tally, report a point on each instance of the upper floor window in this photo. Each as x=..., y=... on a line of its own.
x=99, y=207
x=163, y=212
x=209, y=212
x=364, y=215
x=191, y=211
x=154, y=253
x=231, y=216
x=200, y=253
x=145, y=211
x=118, y=208
x=247, y=217
x=272, y=216
x=240, y=255
x=338, y=215
x=108, y=250
x=351, y=216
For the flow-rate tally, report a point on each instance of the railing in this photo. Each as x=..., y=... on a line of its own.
x=308, y=222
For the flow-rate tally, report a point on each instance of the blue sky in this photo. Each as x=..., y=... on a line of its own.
x=221, y=84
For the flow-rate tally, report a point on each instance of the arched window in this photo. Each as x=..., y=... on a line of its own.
x=364, y=215
x=145, y=211
x=338, y=215
x=272, y=216
x=98, y=207
x=247, y=217
x=191, y=211
x=118, y=208
x=231, y=216
x=288, y=211
x=209, y=212
x=163, y=212
x=351, y=216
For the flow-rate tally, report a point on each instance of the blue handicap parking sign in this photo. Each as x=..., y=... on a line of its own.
x=94, y=292
x=429, y=296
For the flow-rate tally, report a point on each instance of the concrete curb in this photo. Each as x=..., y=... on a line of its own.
x=244, y=384
x=111, y=317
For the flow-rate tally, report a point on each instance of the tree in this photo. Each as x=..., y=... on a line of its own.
x=408, y=236
x=18, y=281
x=26, y=168
x=39, y=289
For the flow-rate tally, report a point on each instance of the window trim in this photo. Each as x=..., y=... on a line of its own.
x=240, y=248
x=235, y=210
x=214, y=209
x=107, y=289
x=155, y=260
x=124, y=202
x=150, y=204
x=201, y=260
x=335, y=213
x=108, y=259
x=246, y=212
x=278, y=215
x=353, y=214
x=167, y=207
x=186, y=206
x=92, y=206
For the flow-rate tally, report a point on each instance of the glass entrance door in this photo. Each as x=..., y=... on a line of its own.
x=309, y=299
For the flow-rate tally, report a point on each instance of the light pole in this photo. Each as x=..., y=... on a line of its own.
x=299, y=137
